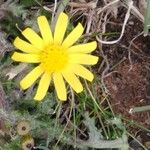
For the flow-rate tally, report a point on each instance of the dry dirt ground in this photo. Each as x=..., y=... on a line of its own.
x=128, y=82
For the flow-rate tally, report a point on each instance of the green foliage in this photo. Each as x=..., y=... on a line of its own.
x=45, y=117
x=29, y=3
x=12, y=13
x=16, y=9
x=12, y=145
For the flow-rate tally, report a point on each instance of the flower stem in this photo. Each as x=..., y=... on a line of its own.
x=147, y=19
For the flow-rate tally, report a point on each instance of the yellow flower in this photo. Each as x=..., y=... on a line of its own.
x=57, y=58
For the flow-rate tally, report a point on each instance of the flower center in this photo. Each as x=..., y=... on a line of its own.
x=29, y=145
x=23, y=128
x=54, y=58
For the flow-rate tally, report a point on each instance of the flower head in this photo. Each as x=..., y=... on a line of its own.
x=23, y=127
x=57, y=59
x=27, y=142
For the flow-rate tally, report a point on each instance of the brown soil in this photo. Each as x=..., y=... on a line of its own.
x=128, y=80
x=128, y=89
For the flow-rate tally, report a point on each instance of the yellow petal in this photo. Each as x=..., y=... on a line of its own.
x=45, y=30
x=83, y=48
x=73, y=36
x=28, y=58
x=82, y=72
x=43, y=86
x=60, y=86
x=73, y=81
x=33, y=37
x=60, y=28
x=30, y=78
x=84, y=59
x=25, y=46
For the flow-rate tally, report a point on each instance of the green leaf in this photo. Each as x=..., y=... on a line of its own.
x=28, y=3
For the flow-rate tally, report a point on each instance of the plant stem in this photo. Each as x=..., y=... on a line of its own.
x=99, y=144
x=139, y=109
x=60, y=9
x=147, y=19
